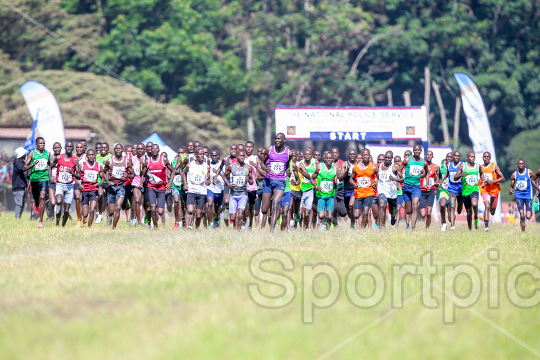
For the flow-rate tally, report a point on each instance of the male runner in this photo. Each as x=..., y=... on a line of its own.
x=117, y=169
x=454, y=188
x=253, y=161
x=80, y=155
x=176, y=189
x=364, y=180
x=415, y=168
x=260, y=178
x=101, y=157
x=231, y=158
x=155, y=170
x=295, y=182
x=307, y=168
x=444, y=195
x=137, y=199
x=68, y=168
x=340, y=208
x=198, y=179
x=90, y=170
x=317, y=156
x=240, y=174
x=348, y=188
x=57, y=149
x=471, y=173
x=274, y=163
x=490, y=186
x=325, y=178
x=38, y=161
x=375, y=202
x=214, y=194
x=521, y=181
x=389, y=175
x=397, y=160
x=428, y=185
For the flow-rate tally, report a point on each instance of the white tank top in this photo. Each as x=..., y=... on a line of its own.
x=384, y=186
x=196, y=178
x=216, y=189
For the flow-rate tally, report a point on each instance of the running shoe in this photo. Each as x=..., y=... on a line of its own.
x=40, y=225
x=134, y=222
x=190, y=227
x=109, y=220
x=376, y=226
x=323, y=227
x=291, y=224
x=79, y=224
x=298, y=218
x=85, y=219
x=175, y=225
x=244, y=225
x=443, y=227
x=210, y=227
x=99, y=217
x=331, y=226
x=453, y=228
x=487, y=229
x=216, y=223
x=408, y=228
x=226, y=214
x=476, y=223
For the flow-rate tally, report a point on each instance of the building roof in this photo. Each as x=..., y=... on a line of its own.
x=14, y=132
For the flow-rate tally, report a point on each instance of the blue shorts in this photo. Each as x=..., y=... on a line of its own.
x=400, y=200
x=524, y=203
x=237, y=202
x=270, y=185
x=216, y=197
x=285, y=200
x=115, y=192
x=326, y=202
x=410, y=192
x=347, y=196
x=176, y=191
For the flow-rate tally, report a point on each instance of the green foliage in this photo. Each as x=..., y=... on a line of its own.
x=526, y=146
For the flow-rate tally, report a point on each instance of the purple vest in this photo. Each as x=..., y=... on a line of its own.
x=276, y=164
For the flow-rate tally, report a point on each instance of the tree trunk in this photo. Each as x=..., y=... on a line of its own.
x=456, y=122
x=268, y=125
x=446, y=135
x=389, y=97
x=427, y=99
x=407, y=98
x=249, y=67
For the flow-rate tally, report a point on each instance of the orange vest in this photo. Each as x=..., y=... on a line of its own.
x=365, y=180
x=488, y=172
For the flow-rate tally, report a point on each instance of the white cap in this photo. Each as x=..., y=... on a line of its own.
x=20, y=152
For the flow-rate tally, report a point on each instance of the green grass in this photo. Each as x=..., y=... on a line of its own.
x=136, y=294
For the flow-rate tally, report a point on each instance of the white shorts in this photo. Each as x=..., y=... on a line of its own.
x=307, y=199
x=66, y=190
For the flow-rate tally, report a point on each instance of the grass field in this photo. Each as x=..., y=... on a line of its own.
x=139, y=294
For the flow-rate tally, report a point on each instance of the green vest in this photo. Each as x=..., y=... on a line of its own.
x=324, y=180
x=444, y=187
x=101, y=159
x=288, y=179
x=40, y=172
x=470, y=179
x=306, y=183
x=177, y=180
x=413, y=171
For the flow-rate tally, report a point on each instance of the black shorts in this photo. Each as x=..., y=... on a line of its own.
x=296, y=196
x=169, y=199
x=375, y=201
x=392, y=203
x=427, y=198
x=360, y=203
x=196, y=199
x=457, y=196
x=156, y=196
x=258, y=202
x=252, y=197
x=37, y=188
x=76, y=187
x=183, y=193
x=88, y=196
x=467, y=200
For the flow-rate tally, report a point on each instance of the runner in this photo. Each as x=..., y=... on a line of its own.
x=214, y=194
x=348, y=188
x=240, y=174
x=389, y=175
x=415, y=168
x=317, y=156
x=444, y=195
x=38, y=162
x=340, y=208
x=364, y=179
x=307, y=168
x=231, y=158
x=117, y=169
x=490, y=186
x=375, y=202
x=137, y=186
x=275, y=161
x=57, y=150
x=428, y=185
x=154, y=168
x=101, y=157
x=521, y=181
x=407, y=216
x=471, y=173
x=325, y=178
x=454, y=188
x=146, y=204
x=80, y=155
x=295, y=183
x=260, y=178
x=127, y=205
x=68, y=168
x=169, y=199
x=253, y=161
x=397, y=160
x=196, y=186
x=176, y=189
x=90, y=170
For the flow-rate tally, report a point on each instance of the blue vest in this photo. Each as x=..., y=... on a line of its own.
x=454, y=186
x=523, y=185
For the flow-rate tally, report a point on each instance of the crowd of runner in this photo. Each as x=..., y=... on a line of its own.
x=291, y=188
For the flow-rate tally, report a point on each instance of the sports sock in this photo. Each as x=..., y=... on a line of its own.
x=57, y=209
x=486, y=222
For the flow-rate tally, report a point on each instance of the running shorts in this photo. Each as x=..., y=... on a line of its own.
x=196, y=199
x=156, y=197
x=360, y=203
x=427, y=198
x=325, y=203
x=467, y=200
x=88, y=196
x=237, y=202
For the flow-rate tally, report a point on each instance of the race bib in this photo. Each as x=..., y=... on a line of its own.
x=521, y=185
x=177, y=180
x=53, y=172
x=155, y=180
x=137, y=170
x=471, y=180
x=91, y=176
x=326, y=186
x=445, y=184
x=451, y=176
x=41, y=164
x=65, y=177
x=363, y=181
x=431, y=182
x=277, y=167
x=239, y=181
x=117, y=172
x=415, y=170
x=196, y=179
x=306, y=180
x=488, y=176
x=383, y=176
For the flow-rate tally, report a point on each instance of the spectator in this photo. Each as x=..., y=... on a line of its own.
x=3, y=181
x=19, y=182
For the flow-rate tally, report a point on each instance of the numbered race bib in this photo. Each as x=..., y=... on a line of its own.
x=445, y=184
x=471, y=180
x=91, y=176
x=155, y=180
x=431, y=182
x=488, y=176
x=117, y=172
x=196, y=179
x=415, y=170
x=306, y=180
x=277, y=167
x=326, y=186
x=137, y=170
x=65, y=177
x=177, y=180
x=41, y=164
x=521, y=185
x=383, y=176
x=451, y=176
x=239, y=181
x=363, y=181
x=53, y=172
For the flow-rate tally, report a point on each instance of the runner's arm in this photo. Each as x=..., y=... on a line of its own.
x=250, y=175
x=296, y=176
x=459, y=173
x=343, y=171
x=315, y=174
x=77, y=173
x=207, y=181
x=101, y=174
x=226, y=175
x=55, y=161
x=512, y=183
x=131, y=172
x=398, y=178
x=265, y=159
x=352, y=179
x=302, y=170
x=498, y=172
x=533, y=182
x=27, y=165
x=143, y=172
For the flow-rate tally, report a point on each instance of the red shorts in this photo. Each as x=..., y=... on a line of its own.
x=493, y=199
